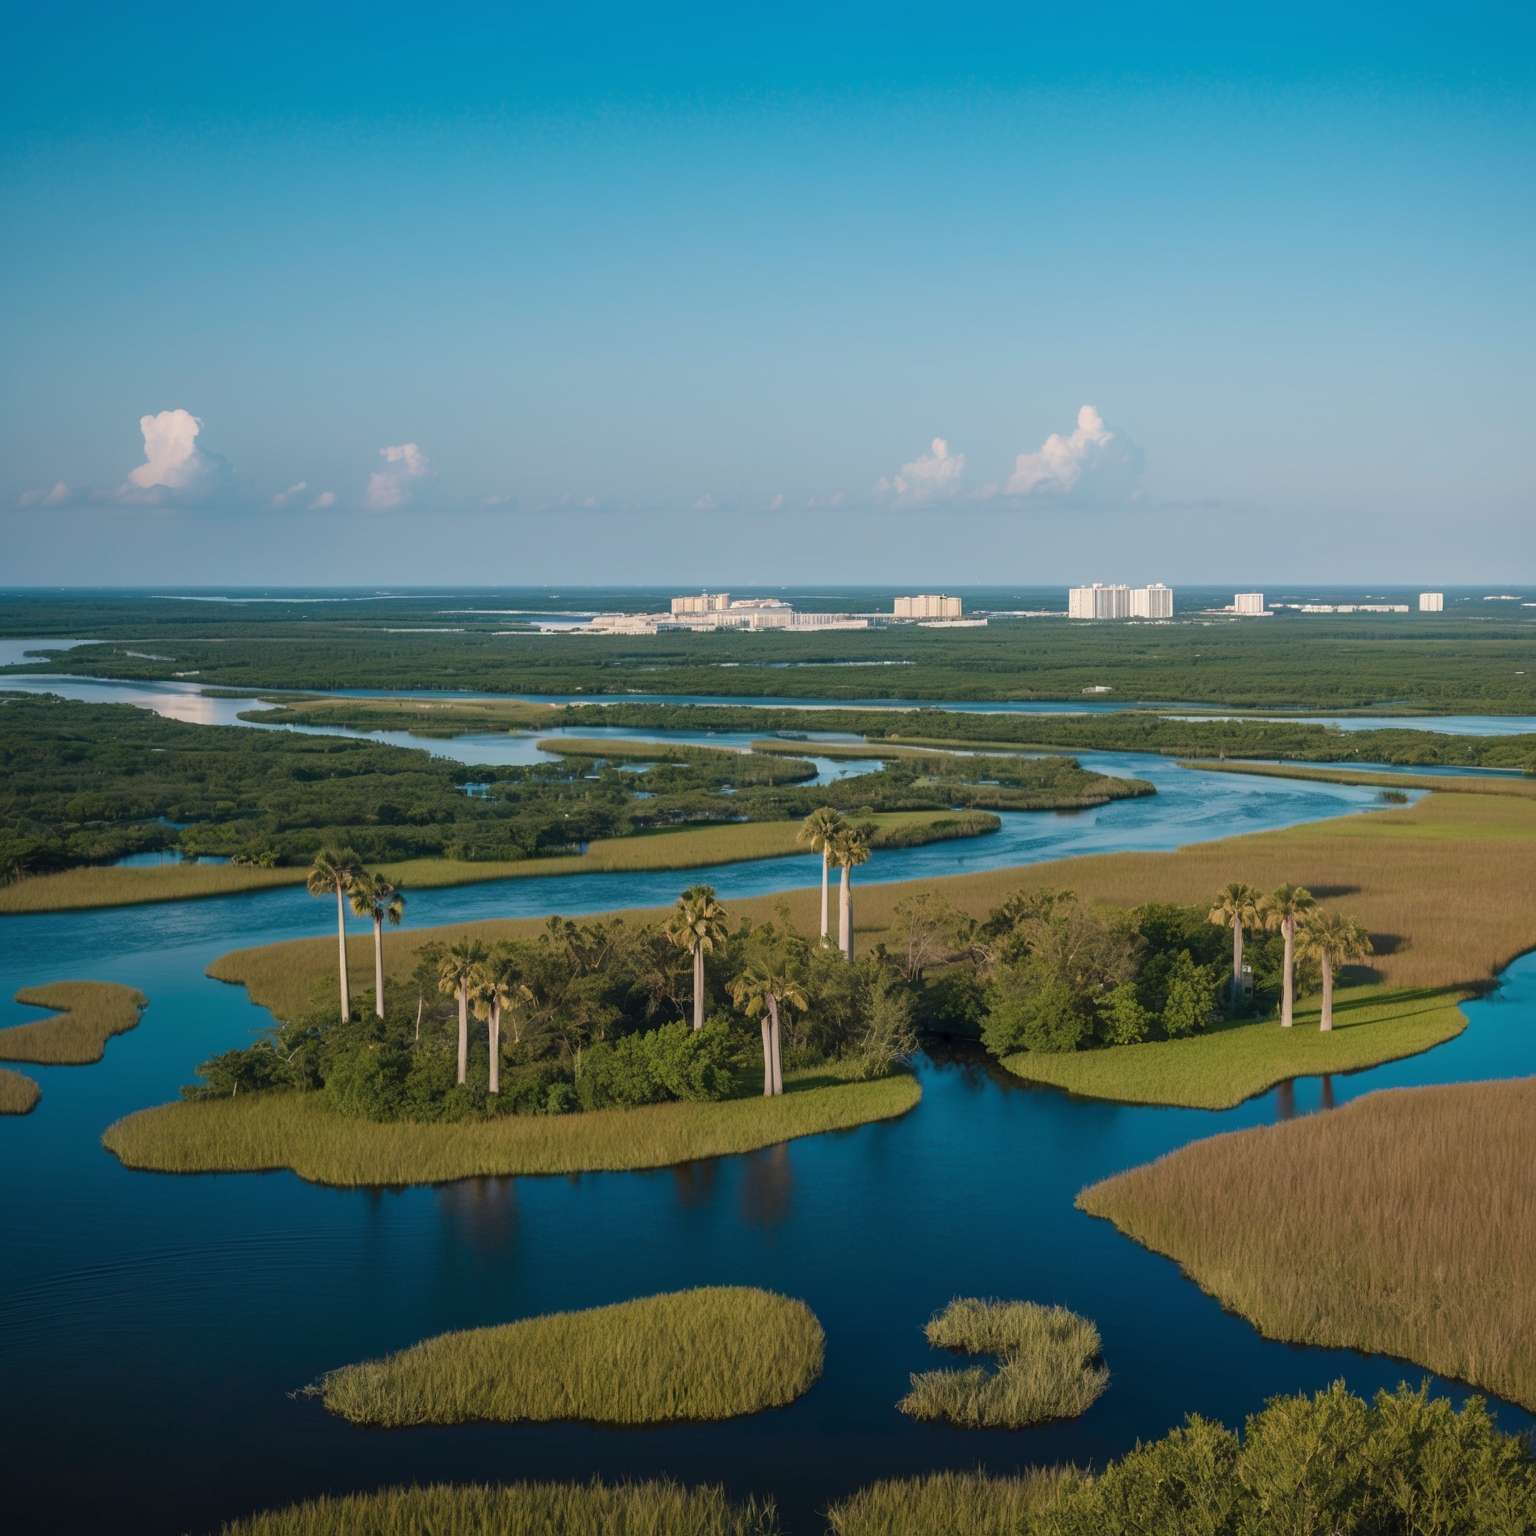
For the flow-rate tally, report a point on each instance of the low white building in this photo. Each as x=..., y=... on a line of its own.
x=1248, y=602
x=1431, y=602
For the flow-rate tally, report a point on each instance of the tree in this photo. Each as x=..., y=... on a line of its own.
x=456, y=974
x=1335, y=940
x=498, y=984
x=846, y=848
x=929, y=929
x=334, y=869
x=818, y=829
x=374, y=897
x=1283, y=908
x=698, y=925
x=428, y=961
x=769, y=981
x=1235, y=905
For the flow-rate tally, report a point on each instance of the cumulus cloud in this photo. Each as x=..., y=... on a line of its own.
x=175, y=469
x=394, y=485
x=58, y=496
x=826, y=501
x=323, y=500
x=284, y=497
x=927, y=479
x=1093, y=463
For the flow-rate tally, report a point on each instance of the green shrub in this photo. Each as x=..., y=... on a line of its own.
x=673, y=1062
x=888, y=1039
x=248, y=1071
x=1122, y=1019
x=1030, y=1009
x=1189, y=1001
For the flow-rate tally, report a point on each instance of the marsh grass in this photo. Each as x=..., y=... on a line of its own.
x=1234, y=1061
x=289, y=1129
x=18, y=1093
x=99, y=885
x=660, y=1508
x=1521, y=789
x=91, y=1012
x=949, y=1504
x=1403, y=1223
x=712, y=1353
x=1048, y=1366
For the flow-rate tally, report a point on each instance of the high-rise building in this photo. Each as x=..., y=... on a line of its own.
x=1119, y=602
x=1431, y=602
x=929, y=605
x=1249, y=602
x=1154, y=602
x=705, y=602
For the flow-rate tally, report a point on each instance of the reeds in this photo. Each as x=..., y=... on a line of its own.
x=288, y=1129
x=1232, y=1062
x=713, y=1353
x=1404, y=1223
x=92, y=1012
x=949, y=1504
x=18, y=1093
x=661, y=1508
x=1048, y=1366
x=110, y=885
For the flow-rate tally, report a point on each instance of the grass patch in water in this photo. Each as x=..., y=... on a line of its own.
x=18, y=1093
x=1403, y=1224
x=91, y=1012
x=660, y=1508
x=948, y=1504
x=1048, y=1366
x=712, y=1353
x=288, y=1129
x=1232, y=1062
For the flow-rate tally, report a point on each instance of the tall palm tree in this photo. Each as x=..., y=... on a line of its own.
x=698, y=925
x=374, y=897
x=334, y=869
x=1235, y=905
x=818, y=829
x=456, y=974
x=1283, y=909
x=769, y=982
x=1335, y=940
x=497, y=985
x=846, y=849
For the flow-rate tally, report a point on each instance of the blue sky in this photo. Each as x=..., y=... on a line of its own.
x=598, y=293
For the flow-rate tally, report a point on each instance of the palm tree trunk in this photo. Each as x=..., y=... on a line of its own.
x=421, y=1003
x=1288, y=983
x=341, y=942
x=1327, y=1020
x=463, y=1031
x=1237, y=961
x=845, y=916
x=767, y=1061
x=378, y=965
x=773, y=1032
x=698, y=986
x=494, y=1026
x=824, y=894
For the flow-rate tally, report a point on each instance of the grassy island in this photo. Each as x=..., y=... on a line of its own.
x=1401, y=1224
x=522, y=1509
x=90, y=1013
x=713, y=1353
x=298, y=1130
x=18, y=1093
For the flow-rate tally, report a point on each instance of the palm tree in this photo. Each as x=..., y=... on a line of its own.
x=698, y=925
x=497, y=984
x=1235, y=905
x=847, y=847
x=335, y=869
x=1335, y=940
x=769, y=982
x=1282, y=909
x=456, y=974
x=818, y=829
x=374, y=897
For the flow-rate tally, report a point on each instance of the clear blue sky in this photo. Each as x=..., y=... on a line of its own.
x=670, y=292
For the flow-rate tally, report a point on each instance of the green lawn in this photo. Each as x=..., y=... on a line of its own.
x=1233, y=1062
x=296, y=1130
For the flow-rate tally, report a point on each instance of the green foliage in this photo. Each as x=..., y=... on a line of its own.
x=247, y=1071
x=673, y=1062
x=888, y=1039
x=1030, y=1009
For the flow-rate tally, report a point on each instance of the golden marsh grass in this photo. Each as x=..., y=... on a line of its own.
x=1403, y=1223
x=949, y=1504
x=18, y=1093
x=713, y=1353
x=90, y=1013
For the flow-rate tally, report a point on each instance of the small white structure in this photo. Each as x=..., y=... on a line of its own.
x=1248, y=602
x=1431, y=602
x=1154, y=602
x=928, y=605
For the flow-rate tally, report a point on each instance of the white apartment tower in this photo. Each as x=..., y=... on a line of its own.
x=1117, y=602
x=1248, y=602
x=1431, y=602
x=928, y=605
x=1154, y=602
x=705, y=602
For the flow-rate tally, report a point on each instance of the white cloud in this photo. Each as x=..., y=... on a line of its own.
x=776, y=503
x=826, y=501
x=1092, y=464
x=705, y=503
x=323, y=500
x=284, y=497
x=503, y=500
x=591, y=501
x=56, y=497
x=175, y=469
x=394, y=485
x=927, y=479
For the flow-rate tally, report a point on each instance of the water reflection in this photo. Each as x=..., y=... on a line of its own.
x=479, y=1214
x=1285, y=1097
x=694, y=1183
x=768, y=1188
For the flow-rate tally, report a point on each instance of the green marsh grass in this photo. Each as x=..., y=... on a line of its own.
x=96, y=885
x=1521, y=789
x=1048, y=1366
x=949, y=1504
x=18, y=1093
x=520, y=1509
x=713, y=1353
x=90, y=1013
x=1403, y=1223
x=1234, y=1061
x=297, y=1130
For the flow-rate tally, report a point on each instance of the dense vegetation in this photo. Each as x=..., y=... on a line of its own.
x=1048, y=1366
x=90, y=783
x=713, y=1353
x=89, y=1014
x=18, y=1092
